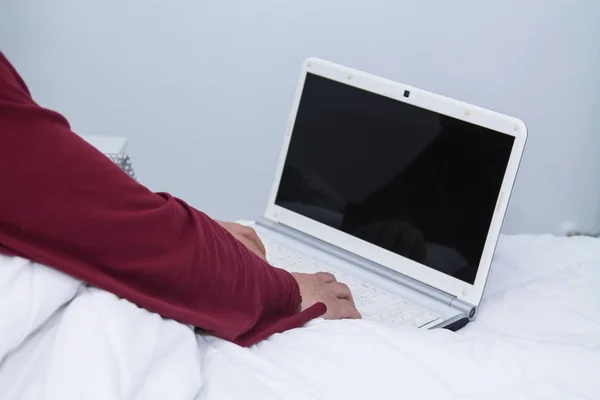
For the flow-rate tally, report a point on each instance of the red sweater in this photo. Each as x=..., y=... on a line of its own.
x=66, y=205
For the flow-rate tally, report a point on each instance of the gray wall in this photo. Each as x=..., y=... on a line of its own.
x=203, y=89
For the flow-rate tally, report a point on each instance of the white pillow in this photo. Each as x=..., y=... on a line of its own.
x=29, y=294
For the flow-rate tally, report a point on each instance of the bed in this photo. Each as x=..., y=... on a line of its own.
x=537, y=336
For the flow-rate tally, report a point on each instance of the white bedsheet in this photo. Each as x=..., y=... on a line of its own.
x=537, y=337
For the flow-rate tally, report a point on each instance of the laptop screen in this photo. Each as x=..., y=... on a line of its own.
x=412, y=181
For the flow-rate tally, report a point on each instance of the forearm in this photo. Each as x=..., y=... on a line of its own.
x=66, y=205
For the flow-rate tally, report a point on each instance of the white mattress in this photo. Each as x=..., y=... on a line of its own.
x=537, y=337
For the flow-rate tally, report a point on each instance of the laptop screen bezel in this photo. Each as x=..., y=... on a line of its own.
x=470, y=293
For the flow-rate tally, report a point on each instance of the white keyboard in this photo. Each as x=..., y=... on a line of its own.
x=373, y=304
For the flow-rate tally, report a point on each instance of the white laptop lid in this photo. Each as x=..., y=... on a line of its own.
x=411, y=180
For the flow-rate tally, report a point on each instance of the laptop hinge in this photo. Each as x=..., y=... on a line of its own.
x=368, y=265
x=468, y=309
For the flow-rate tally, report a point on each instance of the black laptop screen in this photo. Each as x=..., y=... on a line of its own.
x=412, y=181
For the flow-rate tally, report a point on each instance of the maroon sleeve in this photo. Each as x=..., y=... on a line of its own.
x=66, y=205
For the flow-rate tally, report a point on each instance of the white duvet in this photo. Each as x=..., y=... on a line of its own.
x=537, y=337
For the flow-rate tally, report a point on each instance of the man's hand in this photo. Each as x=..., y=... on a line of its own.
x=247, y=236
x=322, y=287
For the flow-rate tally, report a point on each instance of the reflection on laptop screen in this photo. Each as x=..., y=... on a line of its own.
x=412, y=181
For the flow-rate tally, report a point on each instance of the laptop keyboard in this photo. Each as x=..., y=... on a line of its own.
x=373, y=304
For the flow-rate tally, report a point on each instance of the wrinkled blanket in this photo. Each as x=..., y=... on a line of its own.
x=537, y=336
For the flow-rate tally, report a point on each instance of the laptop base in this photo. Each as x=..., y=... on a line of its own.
x=450, y=312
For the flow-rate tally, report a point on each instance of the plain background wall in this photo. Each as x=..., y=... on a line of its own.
x=203, y=89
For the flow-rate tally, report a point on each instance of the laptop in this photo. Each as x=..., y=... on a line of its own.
x=399, y=192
